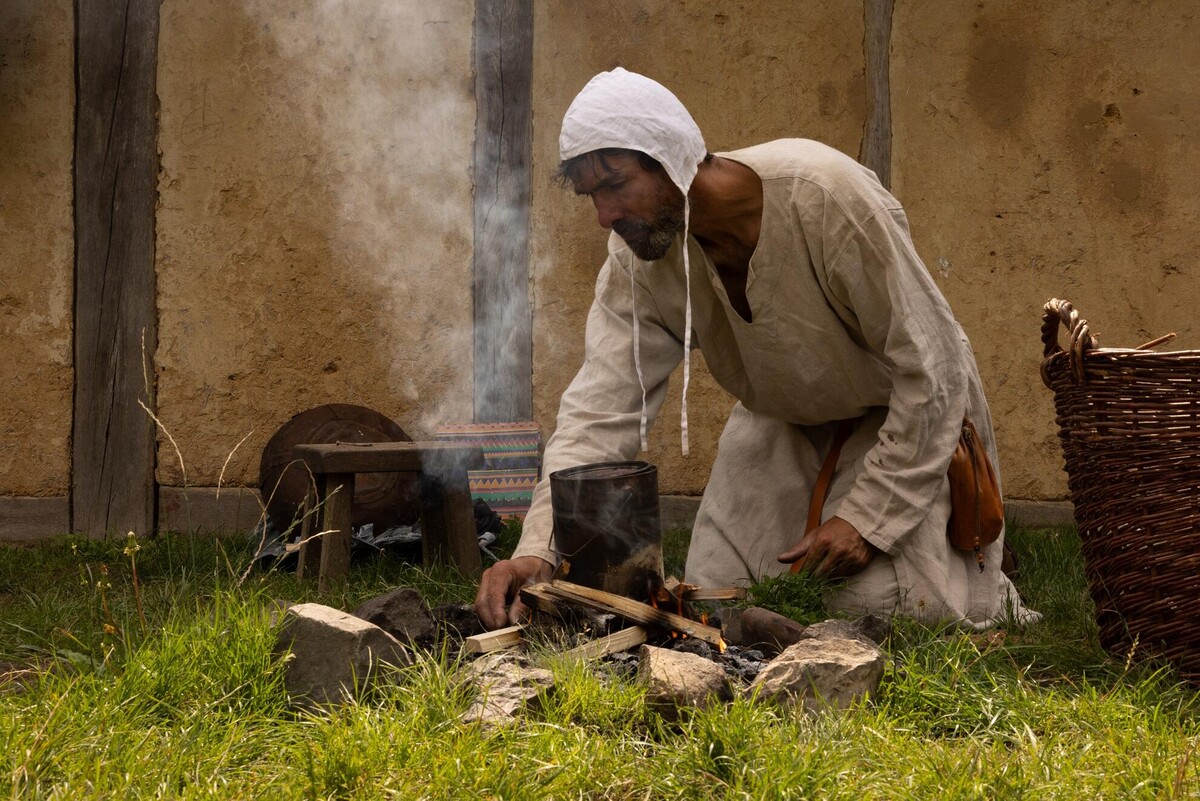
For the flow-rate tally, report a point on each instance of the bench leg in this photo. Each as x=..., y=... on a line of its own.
x=338, y=491
x=448, y=522
x=309, y=562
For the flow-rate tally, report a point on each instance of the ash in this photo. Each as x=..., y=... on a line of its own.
x=740, y=664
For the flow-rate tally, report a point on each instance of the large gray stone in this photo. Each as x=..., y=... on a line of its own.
x=676, y=679
x=332, y=656
x=506, y=686
x=871, y=630
x=402, y=613
x=821, y=674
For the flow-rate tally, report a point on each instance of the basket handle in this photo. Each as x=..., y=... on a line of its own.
x=1061, y=311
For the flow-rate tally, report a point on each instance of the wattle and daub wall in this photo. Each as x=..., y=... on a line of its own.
x=314, y=222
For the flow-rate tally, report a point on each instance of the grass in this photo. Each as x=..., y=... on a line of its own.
x=190, y=704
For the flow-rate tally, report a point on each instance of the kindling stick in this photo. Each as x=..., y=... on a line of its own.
x=714, y=594
x=494, y=640
x=622, y=640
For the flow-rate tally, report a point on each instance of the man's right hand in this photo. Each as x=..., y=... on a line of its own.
x=497, y=603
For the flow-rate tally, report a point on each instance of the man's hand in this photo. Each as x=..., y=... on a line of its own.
x=833, y=549
x=497, y=603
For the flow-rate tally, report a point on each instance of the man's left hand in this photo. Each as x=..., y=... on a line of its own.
x=833, y=549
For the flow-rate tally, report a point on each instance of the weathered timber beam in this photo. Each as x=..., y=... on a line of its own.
x=503, y=331
x=116, y=174
x=877, y=138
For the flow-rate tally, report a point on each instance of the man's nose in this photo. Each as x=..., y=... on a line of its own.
x=607, y=212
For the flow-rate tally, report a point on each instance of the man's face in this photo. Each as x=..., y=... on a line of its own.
x=641, y=205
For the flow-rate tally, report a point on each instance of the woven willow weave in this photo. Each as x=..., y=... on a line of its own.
x=1129, y=421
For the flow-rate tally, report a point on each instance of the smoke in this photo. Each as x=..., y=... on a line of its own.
x=387, y=91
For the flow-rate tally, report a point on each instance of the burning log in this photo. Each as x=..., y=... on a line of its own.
x=761, y=628
x=627, y=608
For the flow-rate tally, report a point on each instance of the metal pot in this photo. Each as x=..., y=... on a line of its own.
x=606, y=526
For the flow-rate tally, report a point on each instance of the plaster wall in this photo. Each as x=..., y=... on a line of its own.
x=314, y=229
x=749, y=72
x=1056, y=159
x=36, y=245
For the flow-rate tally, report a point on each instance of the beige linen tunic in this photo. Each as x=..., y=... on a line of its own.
x=846, y=323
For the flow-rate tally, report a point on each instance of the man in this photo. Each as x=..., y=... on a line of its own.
x=793, y=271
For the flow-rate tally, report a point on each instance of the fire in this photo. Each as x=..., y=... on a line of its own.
x=670, y=593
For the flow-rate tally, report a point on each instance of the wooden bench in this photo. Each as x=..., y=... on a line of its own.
x=446, y=510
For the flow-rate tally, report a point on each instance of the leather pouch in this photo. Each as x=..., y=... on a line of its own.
x=976, y=508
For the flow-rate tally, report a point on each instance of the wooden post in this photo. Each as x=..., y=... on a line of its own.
x=337, y=490
x=877, y=41
x=503, y=147
x=448, y=521
x=116, y=174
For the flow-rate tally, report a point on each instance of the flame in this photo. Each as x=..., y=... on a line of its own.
x=661, y=598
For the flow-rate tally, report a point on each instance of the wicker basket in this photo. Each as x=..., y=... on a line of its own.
x=1129, y=421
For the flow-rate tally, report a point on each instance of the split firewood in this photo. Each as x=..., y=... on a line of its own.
x=714, y=594
x=682, y=591
x=672, y=585
x=535, y=597
x=622, y=640
x=630, y=610
x=494, y=640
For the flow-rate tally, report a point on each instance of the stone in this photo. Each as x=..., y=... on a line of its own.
x=876, y=627
x=402, y=613
x=507, y=685
x=819, y=674
x=837, y=630
x=457, y=621
x=677, y=679
x=332, y=656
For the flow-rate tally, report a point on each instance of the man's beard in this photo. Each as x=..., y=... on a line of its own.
x=651, y=240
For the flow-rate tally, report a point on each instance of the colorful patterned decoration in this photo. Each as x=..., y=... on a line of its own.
x=512, y=459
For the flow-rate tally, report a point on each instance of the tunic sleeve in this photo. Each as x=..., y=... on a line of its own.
x=905, y=321
x=599, y=417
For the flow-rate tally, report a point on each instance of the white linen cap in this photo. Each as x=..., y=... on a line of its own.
x=625, y=110
x=621, y=109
